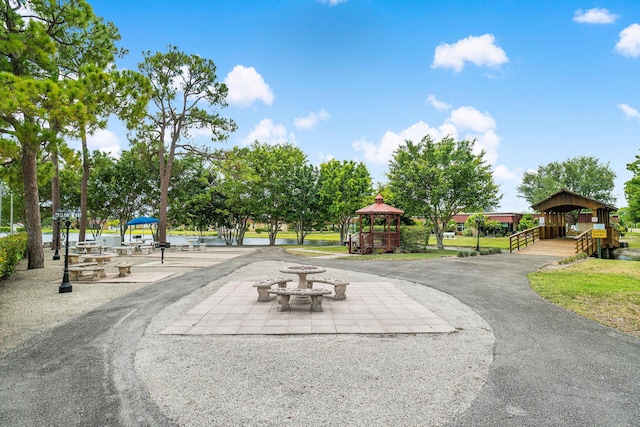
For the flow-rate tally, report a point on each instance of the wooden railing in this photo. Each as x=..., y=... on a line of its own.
x=377, y=240
x=524, y=238
x=586, y=243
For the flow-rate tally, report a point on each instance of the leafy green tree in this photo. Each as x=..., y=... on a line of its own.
x=186, y=97
x=437, y=180
x=632, y=192
x=344, y=188
x=526, y=222
x=27, y=95
x=234, y=189
x=273, y=169
x=119, y=187
x=583, y=175
x=194, y=197
x=306, y=207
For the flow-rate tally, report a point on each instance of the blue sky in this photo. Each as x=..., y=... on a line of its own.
x=532, y=81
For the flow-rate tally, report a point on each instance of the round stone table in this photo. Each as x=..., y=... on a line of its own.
x=302, y=271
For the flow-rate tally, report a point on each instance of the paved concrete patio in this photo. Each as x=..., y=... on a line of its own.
x=370, y=308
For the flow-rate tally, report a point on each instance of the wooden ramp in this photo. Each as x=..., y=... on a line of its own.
x=562, y=247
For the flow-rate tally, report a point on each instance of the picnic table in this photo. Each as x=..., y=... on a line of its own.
x=100, y=259
x=90, y=247
x=302, y=271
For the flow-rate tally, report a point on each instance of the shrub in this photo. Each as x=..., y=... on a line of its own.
x=12, y=250
x=414, y=239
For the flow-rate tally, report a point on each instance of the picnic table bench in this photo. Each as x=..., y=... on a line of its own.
x=123, y=249
x=264, y=285
x=339, y=286
x=75, y=273
x=124, y=269
x=283, y=294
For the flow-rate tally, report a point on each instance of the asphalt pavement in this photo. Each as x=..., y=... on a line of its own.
x=550, y=367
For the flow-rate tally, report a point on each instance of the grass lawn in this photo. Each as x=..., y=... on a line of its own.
x=606, y=291
x=633, y=239
x=314, y=251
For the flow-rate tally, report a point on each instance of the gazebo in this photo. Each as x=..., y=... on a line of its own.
x=388, y=239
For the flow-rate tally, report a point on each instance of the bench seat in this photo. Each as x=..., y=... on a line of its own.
x=123, y=249
x=283, y=294
x=124, y=269
x=75, y=273
x=339, y=286
x=266, y=284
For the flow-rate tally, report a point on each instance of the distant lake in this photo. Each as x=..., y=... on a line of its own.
x=209, y=241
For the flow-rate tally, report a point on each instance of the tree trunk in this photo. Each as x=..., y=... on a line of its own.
x=55, y=197
x=164, y=202
x=82, y=223
x=32, y=208
x=438, y=231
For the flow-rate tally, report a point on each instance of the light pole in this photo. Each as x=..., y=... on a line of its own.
x=65, y=216
x=56, y=235
x=478, y=222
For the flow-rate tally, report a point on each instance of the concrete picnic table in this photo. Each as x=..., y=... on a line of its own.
x=302, y=271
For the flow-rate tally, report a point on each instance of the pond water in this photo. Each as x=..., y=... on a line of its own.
x=209, y=241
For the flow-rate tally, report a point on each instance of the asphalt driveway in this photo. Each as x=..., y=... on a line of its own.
x=550, y=367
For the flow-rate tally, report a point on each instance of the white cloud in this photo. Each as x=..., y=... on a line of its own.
x=324, y=157
x=629, y=43
x=381, y=153
x=437, y=104
x=469, y=118
x=268, y=133
x=105, y=141
x=501, y=172
x=333, y=2
x=246, y=86
x=629, y=111
x=480, y=51
x=597, y=15
x=464, y=122
x=312, y=119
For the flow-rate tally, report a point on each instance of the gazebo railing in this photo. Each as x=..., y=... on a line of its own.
x=386, y=240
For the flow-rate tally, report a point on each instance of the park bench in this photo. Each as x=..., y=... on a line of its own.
x=449, y=235
x=339, y=286
x=74, y=258
x=124, y=269
x=283, y=294
x=264, y=285
x=75, y=273
x=120, y=250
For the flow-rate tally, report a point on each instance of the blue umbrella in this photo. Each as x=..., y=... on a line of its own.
x=141, y=221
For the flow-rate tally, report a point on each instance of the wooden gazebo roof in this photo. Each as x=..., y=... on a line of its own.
x=379, y=208
x=566, y=201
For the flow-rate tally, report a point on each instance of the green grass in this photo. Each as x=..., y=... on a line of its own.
x=606, y=291
x=470, y=242
x=633, y=239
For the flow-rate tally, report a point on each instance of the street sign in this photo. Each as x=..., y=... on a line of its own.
x=599, y=231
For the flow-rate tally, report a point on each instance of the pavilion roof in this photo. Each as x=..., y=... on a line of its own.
x=379, y=208
x=565, y=201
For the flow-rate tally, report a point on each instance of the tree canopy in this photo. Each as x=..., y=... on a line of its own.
x=582, y=175
x=344, y=188
x=186, y=97
x=632, y=191
x=436, y=180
